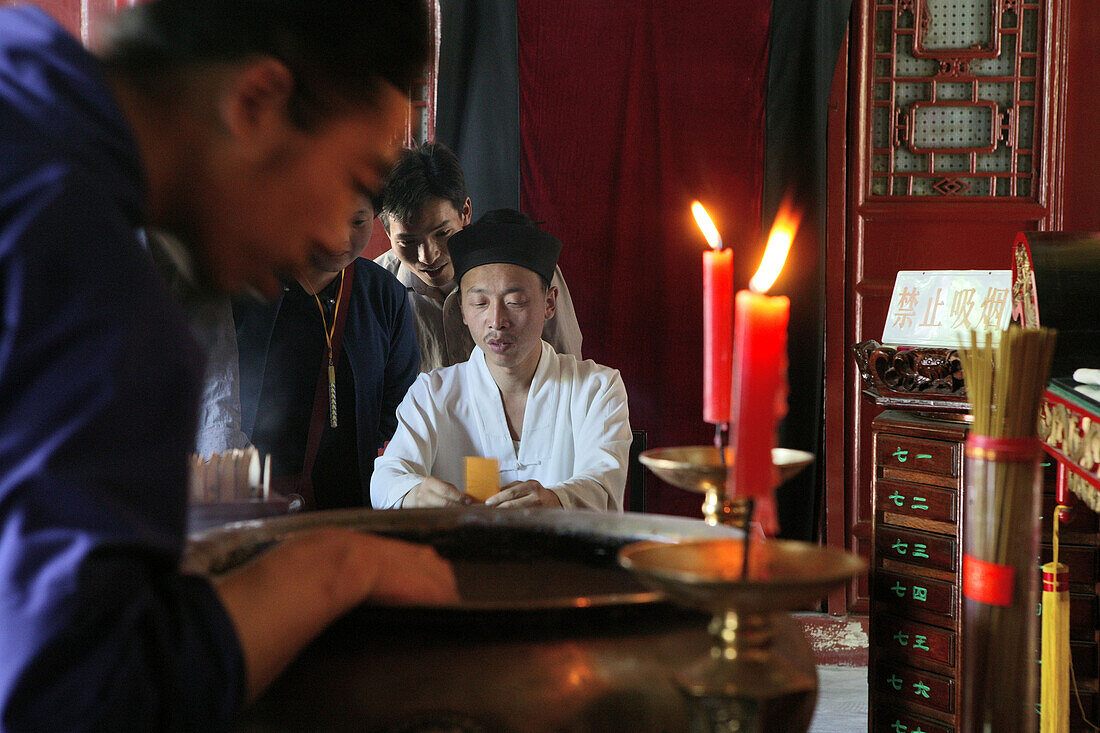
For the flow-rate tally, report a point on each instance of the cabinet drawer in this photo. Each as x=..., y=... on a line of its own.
x=894, y=718
x=903, y=594
x=916, y=500
x=1084, y=519
x=1082, y=615
x=916, y=454
x=916, y=548
x=1083, y=654
x=909, y=642
x=900, y=684
x=1076, y=722
x=1080, y=559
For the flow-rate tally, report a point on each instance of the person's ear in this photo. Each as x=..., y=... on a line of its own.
x=254, y=102
x=467, y=210
x=551, y=302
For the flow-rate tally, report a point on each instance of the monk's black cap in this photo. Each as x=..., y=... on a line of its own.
x=508, y=236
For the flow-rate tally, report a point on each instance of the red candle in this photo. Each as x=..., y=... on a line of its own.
x=759, y=390
x=717, y=321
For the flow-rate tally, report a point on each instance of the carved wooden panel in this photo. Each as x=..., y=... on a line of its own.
x=956, y=88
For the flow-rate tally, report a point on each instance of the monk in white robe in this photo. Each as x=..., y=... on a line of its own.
x=559, y=427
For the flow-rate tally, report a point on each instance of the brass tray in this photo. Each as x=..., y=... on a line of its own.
x=782, y=574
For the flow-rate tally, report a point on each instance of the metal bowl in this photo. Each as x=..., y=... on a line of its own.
x=698, y=467
x=596, y=661
x=504, y=560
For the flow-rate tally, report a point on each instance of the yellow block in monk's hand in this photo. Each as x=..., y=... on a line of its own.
x=482, y=477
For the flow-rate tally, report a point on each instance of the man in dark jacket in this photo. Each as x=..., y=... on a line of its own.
x=323, y=438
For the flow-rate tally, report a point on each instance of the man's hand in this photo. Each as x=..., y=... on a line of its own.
x=285, y=597
x=524, y=493
x=434, y=492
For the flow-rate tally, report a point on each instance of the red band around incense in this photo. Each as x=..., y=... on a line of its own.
x=1016, y=450
x=987, y=582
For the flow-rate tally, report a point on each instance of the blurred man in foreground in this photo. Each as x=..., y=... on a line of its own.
x=246, y=129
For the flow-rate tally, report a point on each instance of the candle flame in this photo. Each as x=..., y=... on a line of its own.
x=775, y=254
x=702, y=218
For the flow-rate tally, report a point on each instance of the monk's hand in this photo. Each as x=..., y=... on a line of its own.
x=434, y=492
x=524, y=493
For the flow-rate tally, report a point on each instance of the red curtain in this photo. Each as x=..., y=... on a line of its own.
x=628, y=111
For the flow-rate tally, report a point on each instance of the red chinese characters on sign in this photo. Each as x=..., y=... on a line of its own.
x=994, y=307
x=934, y=303
x=938, y=308
x=962, y=305
x=906, y=308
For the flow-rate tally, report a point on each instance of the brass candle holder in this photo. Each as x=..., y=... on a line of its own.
x=742, y=680
x=747, y=588
x=699, y=468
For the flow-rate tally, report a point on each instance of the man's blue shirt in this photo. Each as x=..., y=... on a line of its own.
x=99, y=382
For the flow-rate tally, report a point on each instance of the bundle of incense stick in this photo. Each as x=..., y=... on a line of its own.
x=1001, y=527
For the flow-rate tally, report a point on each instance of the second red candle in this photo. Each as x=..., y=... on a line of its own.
x=717, y=334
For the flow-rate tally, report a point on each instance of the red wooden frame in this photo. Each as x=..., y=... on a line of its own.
x=1030, y=68
x=923, y=17
x=994, y=127
x=422, y=107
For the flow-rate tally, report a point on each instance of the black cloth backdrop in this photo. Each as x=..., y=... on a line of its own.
x=624, y=113
x=477, y=102
x=805, y=39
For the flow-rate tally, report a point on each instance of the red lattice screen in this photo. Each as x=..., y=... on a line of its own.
x=955, y=89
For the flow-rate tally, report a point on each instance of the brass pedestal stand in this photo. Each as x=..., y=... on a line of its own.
x=742, y=682
x=741, y=686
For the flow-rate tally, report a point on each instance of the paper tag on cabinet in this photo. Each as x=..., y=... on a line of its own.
x=939, y=307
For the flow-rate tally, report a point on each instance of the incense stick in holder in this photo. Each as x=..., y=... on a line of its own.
x=1000, y=531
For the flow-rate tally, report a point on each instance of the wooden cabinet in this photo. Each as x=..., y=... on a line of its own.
x=918, y=492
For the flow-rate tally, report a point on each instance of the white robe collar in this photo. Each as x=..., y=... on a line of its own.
x=538, y=415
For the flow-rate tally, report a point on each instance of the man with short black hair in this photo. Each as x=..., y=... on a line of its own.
x=558, y=427
x=245, y=128
x=424, y=202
